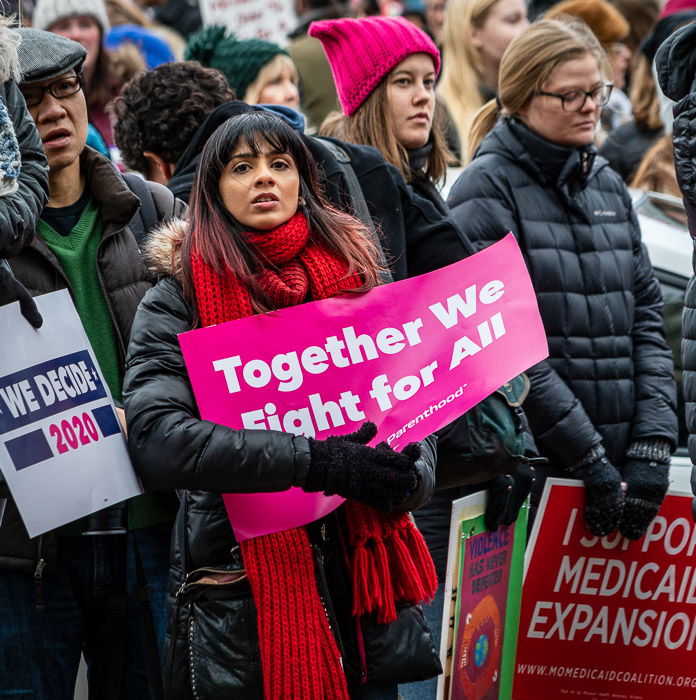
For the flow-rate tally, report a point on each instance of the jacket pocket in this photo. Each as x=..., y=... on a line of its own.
x=402, y=651
x=220, y=647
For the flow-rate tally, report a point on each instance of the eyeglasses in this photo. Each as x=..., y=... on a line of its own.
x=574, y=100
x=60, y=89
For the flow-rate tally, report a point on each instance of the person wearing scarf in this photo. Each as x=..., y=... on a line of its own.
x=262, y=237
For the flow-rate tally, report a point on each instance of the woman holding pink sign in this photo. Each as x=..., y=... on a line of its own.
x=322, y=611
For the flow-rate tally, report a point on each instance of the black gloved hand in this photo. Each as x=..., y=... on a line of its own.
x=647, y=483
x=376, y=476
x=506, y=494
x=11, y=290
x=604, y=497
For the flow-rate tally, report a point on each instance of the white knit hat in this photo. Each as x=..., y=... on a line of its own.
x=48, y=12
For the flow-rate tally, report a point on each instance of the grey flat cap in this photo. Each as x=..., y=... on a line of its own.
x=43, y=55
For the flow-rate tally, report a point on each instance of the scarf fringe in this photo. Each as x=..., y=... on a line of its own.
x=390, y=564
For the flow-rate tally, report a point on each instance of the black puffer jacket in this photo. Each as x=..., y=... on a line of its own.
x=676, y=70
x=609, y=376
x=173, y=449
x=125, y=279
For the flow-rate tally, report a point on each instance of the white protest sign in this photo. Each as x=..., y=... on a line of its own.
x=62, y=452
x=271, y=20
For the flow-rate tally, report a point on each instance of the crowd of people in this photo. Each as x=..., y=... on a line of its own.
x=173, y=176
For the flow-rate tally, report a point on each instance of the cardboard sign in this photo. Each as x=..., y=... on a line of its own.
x=271, y=20
x=607, y=617
x=410, y=356
x=62, y=452
x=484, y=584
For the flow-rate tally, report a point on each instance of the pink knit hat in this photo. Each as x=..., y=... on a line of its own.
x=673, y=6
x=362, y=51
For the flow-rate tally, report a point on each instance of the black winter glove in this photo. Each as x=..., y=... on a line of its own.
x=11, y=290
x=376, y=476
x=506, y=494
x=604, y=497
x=647, y=483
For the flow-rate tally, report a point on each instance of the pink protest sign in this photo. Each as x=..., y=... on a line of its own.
x=410, y=356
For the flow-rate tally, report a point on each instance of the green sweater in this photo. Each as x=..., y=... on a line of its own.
x=77, y=255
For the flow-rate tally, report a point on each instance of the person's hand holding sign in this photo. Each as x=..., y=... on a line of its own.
x=377, y=476
x=604, y=495
x=11, y=290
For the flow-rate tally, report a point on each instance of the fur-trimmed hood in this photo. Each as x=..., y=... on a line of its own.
x=163, y=248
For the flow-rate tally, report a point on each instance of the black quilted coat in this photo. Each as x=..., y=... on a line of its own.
x=211, y=648
x=676, y=70
x=609, y=376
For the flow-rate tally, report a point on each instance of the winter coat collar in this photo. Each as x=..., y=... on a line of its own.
x=547, y=162
x=117, y=204
x=418, y=157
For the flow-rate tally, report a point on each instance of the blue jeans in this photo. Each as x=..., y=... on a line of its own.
x=40, y=650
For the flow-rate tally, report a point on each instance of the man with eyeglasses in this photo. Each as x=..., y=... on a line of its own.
x=64, y=594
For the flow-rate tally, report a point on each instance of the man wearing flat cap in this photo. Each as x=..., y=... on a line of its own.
x=65, y=594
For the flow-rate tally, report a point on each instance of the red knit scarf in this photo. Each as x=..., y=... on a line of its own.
x=389, y=560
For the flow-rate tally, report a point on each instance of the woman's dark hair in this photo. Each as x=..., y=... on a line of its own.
x=216, y=237
x=101, y=88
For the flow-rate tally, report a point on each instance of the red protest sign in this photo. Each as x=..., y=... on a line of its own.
x=607, y=617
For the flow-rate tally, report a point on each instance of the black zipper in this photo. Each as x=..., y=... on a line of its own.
x=171, y=650
x=323, y=589
x=38, y=576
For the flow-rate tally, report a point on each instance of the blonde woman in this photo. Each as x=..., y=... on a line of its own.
x=602, y=407
x=259, y=72
x=476, y=34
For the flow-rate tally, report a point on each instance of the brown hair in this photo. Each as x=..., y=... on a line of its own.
x=656, y=171
x=644, y=95
x=371, y=125
x=216, y=236
x=528, y=63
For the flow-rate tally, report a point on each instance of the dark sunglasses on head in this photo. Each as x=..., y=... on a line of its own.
x=61, y=88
